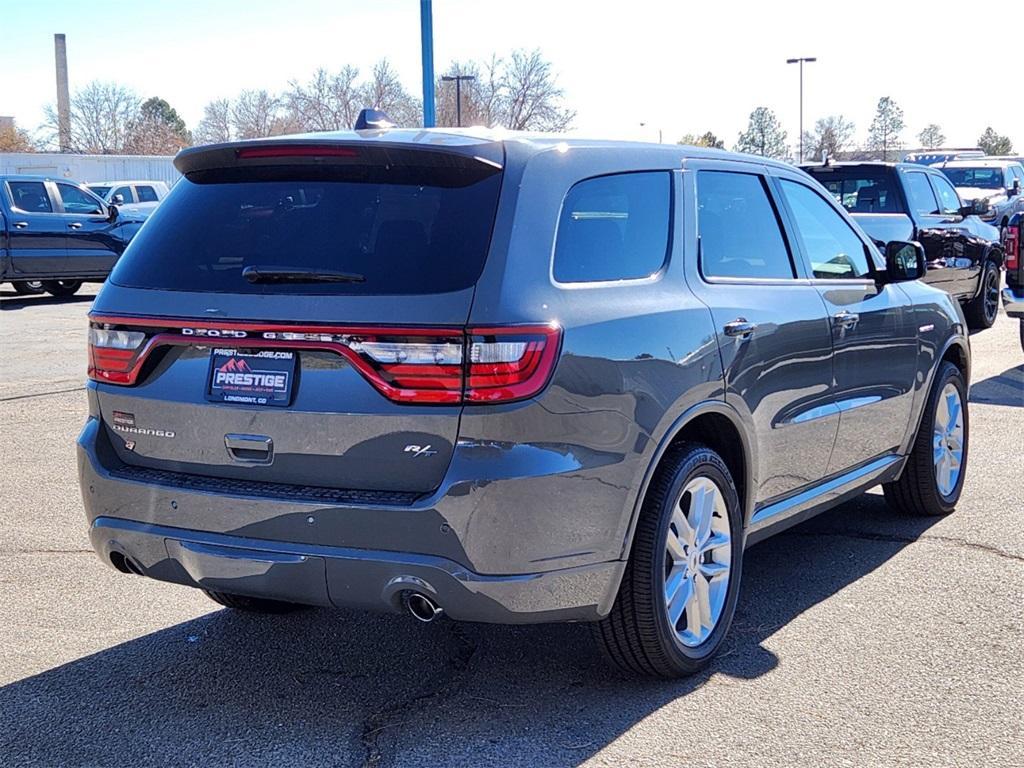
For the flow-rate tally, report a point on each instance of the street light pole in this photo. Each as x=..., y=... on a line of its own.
x=458, y=93
x=801, y=61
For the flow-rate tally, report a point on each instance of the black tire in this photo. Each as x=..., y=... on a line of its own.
x=636, y=636
x=917, y=492
x=28, y=287
x=62, y=288
x=982, y=310
x=251, y=604
x=1022, y=333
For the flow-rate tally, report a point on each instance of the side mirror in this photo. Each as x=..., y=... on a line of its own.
x=976, y=208
x=112, y=213
x=1014, y=190
x=117, y=200
x=904, y=261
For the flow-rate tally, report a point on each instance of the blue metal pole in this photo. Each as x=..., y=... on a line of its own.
x=427, y=37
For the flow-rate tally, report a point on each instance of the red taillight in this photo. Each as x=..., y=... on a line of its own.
x=417, y=365
x=1013, y=246
x=295, y=150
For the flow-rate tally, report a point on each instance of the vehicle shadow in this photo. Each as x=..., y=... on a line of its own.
x=338, y=688
x=1005, y=389
x=12, y=300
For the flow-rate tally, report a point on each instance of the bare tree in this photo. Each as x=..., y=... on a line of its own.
x=102, y=118
x=258, y=113
x=932, y=136
x=831, y=135
x=384, y=91
x=215, y=127
x=530, y=95
x=328, y=102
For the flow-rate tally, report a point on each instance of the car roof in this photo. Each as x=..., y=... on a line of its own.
x=981, y=162
x=863, y=164
x=123, y=181
x=37, y=177
x=193, y=158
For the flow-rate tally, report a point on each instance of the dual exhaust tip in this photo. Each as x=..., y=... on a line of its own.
x=421, y=607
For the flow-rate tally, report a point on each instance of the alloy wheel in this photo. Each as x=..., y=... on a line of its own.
x=948, y=439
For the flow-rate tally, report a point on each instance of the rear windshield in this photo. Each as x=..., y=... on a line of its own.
x=861, y=191
x=101, y=191
x=398, y=229
x=985, y=178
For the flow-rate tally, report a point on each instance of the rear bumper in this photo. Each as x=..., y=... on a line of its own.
x=347, y=555
x=1013, y=302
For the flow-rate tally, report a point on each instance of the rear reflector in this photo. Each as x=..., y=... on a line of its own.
x=415, y=365
x=295, y=150
x=1013, y=246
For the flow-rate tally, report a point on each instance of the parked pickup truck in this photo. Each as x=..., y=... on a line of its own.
x=999, y=182
x=1013, y=293
x=904, y=201
x=142, y=196
x=56, y=234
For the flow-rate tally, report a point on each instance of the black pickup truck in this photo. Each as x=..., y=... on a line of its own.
x=56, y=234
x=905, y=201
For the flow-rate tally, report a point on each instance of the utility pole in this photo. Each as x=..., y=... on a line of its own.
x=801, y=61
x=60, y=52
x=457, y=79
x=427, y=48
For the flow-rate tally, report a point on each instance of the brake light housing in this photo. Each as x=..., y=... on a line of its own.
x=406, y=365
x=1013, y=245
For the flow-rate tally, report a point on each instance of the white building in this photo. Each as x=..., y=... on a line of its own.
x=90, y=169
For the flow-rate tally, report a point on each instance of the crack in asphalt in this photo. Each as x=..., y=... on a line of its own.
x=40, y=394
x=895, y=539
x=460, y=654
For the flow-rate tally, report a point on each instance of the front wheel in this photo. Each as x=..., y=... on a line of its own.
x=61, y=288
x=982, y=310
x=678, y=594
x=933, y=478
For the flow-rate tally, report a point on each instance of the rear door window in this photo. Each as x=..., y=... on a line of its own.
x=740, y=234
x=614, y=228
x=30, y=196
x=146, y=194
x=397, y=229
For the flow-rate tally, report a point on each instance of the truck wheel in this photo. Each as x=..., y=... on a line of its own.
x=982, y=310
x=934, y=475
x=678, y=593
x=250, y=604
x=61, y=288
x=1022, y=333
x=28, y=287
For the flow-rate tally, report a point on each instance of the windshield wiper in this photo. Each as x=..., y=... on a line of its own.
x=299, y=275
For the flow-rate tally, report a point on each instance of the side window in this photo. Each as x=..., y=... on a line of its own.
x=834, y=249
x=77, y=201
x=614, y=228
x=124, y=192
x=147, y=194
x=1018, y=174
x=949, y=201
x=739, y=229
x=30, y=196
x=922, y=197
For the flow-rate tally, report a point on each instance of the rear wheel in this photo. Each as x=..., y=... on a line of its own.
x=934, y=475
x=28, y=287
x=1022, y=333
x=251, y=604
x=61, y=288
x=982, y=310
x=678, y=594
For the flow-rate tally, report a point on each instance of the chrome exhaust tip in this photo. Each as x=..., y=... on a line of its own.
x=422, y=607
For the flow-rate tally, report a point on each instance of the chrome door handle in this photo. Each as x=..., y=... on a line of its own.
x=21, y=225
x=75, y=225
x=846, y=319
x=739, y=327
x=250, y=449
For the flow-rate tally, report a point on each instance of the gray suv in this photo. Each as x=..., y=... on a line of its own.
x=510, y=378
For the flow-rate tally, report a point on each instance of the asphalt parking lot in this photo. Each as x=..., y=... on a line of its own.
x=861, y=638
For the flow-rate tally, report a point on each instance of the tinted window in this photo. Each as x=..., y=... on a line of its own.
x=125, y=193
x=949, y=201
x=406, y=229
x=985, y=178
x=920, y=193
x=77, y=201
x=30, y=196
x=614, y=228
x=100, y=190
x=738, y=227
x=146, y=194
x=834, y=249
x=860, y=191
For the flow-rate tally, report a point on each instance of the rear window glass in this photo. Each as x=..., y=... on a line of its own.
x=400, y=229
x=614, y=228
x=861, y=191
x=30, y=196
x=146, y=194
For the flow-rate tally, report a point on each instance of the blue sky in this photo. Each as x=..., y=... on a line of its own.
x=678, y=66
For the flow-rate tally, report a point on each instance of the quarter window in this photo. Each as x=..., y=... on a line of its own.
x=834, y=249
x=949, y=200
x=922, y=197
x=30, y=196
x=77, y=201
x=614, y=228
x=739, y=230
x=146, y=194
